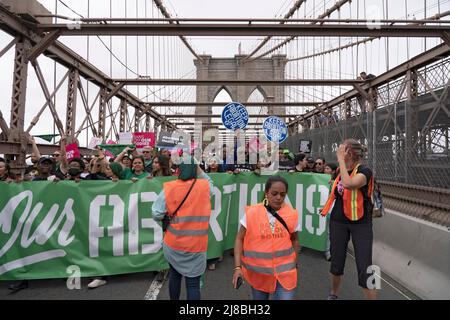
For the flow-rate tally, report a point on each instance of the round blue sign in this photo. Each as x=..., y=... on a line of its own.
x=234, y=116
x=275, y=129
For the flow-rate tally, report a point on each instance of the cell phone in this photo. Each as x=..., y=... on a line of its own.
x=239, y=282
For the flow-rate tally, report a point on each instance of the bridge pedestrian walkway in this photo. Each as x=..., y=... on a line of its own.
x=313, y=285
x=313, y=280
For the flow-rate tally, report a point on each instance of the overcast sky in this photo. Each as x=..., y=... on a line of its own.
x=164, y=57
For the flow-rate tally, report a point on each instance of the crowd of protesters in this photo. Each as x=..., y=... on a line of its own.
x=131, y=164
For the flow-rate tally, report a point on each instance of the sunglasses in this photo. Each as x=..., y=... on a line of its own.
x=319, y=163
x=145, y=151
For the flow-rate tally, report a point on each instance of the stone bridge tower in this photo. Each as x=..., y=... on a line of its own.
x=235, y=69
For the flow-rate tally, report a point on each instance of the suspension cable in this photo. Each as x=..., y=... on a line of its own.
x=324, y=15
x=296, y=6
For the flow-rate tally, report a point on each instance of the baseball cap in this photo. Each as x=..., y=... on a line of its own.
x=310, y=159
x=45, y=159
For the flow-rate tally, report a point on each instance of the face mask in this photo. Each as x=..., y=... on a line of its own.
x=74, y=172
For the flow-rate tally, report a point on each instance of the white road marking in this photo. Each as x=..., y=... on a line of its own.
x=153, y=291
x=395, y=288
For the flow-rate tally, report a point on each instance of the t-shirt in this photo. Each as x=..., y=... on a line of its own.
x=337, y=214
x=58, y=173
x=39, y=179
x=49, y=178
x=242, y=167
x=286, y=165
x=128, y=174
x=95, y=176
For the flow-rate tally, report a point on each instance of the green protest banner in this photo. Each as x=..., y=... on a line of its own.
x=46, y=137
x=106, y=228
x=115, y=149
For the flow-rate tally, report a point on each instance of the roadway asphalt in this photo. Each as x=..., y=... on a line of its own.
x=313, y=285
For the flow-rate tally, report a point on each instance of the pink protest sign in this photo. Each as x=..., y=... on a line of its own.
x=144, y=139
x=72, y=151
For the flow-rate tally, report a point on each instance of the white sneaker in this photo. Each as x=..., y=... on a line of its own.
x=212, y=266
x=328, y=255
x=96, y=283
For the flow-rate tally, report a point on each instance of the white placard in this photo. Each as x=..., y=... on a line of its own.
x=125, y=138
x=94, y=142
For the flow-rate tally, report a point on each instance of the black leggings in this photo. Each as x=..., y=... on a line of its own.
x=362, y=239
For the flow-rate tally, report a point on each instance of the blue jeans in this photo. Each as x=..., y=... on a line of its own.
x=192, y=285
x=279, y=294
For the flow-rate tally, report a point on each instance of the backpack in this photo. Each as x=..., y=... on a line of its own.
x=377, y=201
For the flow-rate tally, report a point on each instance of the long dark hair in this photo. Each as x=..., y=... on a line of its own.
x=164, y=164
x=299, y=157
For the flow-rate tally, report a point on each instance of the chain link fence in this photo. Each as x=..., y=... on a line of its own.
x=407, y=138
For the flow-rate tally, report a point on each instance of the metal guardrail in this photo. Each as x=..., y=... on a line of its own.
x=427, y=203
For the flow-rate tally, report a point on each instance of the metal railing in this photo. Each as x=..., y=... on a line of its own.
x=408, y=137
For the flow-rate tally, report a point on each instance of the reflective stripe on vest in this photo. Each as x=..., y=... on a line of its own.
x=267, y=254
x=188, y=230
x=264, y=270
x=189, y=219
x=353, y=199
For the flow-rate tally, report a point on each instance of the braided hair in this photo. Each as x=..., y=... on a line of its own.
x=356, y=149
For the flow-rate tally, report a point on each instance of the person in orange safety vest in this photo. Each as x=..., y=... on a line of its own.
x=186, y=201
x=266, y=246
x=349, y=206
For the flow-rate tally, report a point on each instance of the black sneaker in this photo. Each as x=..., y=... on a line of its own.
x=332, y=297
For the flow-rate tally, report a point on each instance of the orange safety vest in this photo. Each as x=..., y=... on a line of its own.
x=266, y=256
x=352, y=199
x=188, y=230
